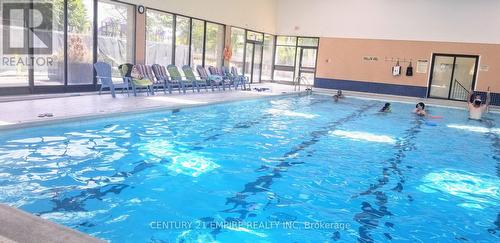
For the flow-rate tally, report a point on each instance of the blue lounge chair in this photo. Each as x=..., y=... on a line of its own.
x=241, y=78
x=211, y=80
x=103, y=71
x=214, y=71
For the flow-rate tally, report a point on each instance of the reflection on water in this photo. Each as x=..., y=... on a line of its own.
x=363, y=136
x=479, y=191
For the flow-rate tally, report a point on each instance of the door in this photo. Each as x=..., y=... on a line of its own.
x=452, y=76
x=253, y=61
x=307, y=64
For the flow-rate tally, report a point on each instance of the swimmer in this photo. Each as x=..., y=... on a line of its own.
x=338, y=96
x=476, y=107
x=386, y=108
x=420, y=109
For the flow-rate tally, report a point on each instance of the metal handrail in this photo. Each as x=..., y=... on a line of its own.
x=462, y=92
x=301, y=80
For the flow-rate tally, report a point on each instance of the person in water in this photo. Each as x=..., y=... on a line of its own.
x=476, y=107
x=338, y=96
x=420, y=109
x=386, y=108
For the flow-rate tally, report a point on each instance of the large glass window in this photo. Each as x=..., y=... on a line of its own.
x=116, y=31
x=197, y=38
x=267, y=60
x=294, y=57
x=80, y=42
x=51, y=71
x=159, y=37
x=238, y=48
x=214, y=45
x=182, y=41
x=14, y=68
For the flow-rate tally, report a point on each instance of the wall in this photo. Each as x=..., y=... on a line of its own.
x=340, y=62
x=474, y=21
x=255, y=14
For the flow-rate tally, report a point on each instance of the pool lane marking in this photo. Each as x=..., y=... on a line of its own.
x=263, y=183
x=370, y=216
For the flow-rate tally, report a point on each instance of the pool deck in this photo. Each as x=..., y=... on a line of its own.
x=24, y=111
x=18, y=226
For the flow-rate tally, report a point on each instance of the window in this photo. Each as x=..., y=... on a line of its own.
x=308, y=42
x=197, y=39
x=267, y=60
x=294, y=57
x=214, y=45
x=182, y=29
x=116, y=29
x=285, y=55
x=238, y=48
x=80, y=42
x=254, y=36
x=15, y=73
x=159, y=37
x=50, y=73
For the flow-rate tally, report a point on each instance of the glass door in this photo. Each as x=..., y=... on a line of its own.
x=307, y=64
x=452, y=76
x=257, y=63
x=253, y=61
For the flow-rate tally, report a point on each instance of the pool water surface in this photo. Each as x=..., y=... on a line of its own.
x=286, y=169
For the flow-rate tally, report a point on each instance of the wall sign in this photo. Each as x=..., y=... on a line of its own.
x=370, y=58
x=484, y=68
x=422, y=66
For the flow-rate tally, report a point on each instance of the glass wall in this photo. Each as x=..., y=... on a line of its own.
x=267, y=60
x=197, y=40
x=54, y=60
x=80, y=42
x=116, y=29
x=294, y=57
x=182, y=29
x=238, y=47
x=14, y=71
x=214, y=45
x=159, y=37
x=51, y=73
x=286, y=51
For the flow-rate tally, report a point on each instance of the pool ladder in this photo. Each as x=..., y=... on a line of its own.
x=301, y=80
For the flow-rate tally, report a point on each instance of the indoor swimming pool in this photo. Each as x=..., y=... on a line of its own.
x=285, y=169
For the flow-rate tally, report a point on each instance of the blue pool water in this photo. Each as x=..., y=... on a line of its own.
x=287, y=169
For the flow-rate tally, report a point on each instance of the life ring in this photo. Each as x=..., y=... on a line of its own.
x=228, y=53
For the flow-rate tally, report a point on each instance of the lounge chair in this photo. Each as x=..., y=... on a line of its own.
x=214, y=71
x=235, y=80
x=175, y=75
x=211, y=80
x=161, y=74
x=140, y=82
x=103, y=71
x=188, y=71
x=241, y=78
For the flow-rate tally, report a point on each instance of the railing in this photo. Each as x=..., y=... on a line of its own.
x=458, y=91
x=299, y=81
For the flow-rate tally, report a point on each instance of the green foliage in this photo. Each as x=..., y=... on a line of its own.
x=78, y=18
